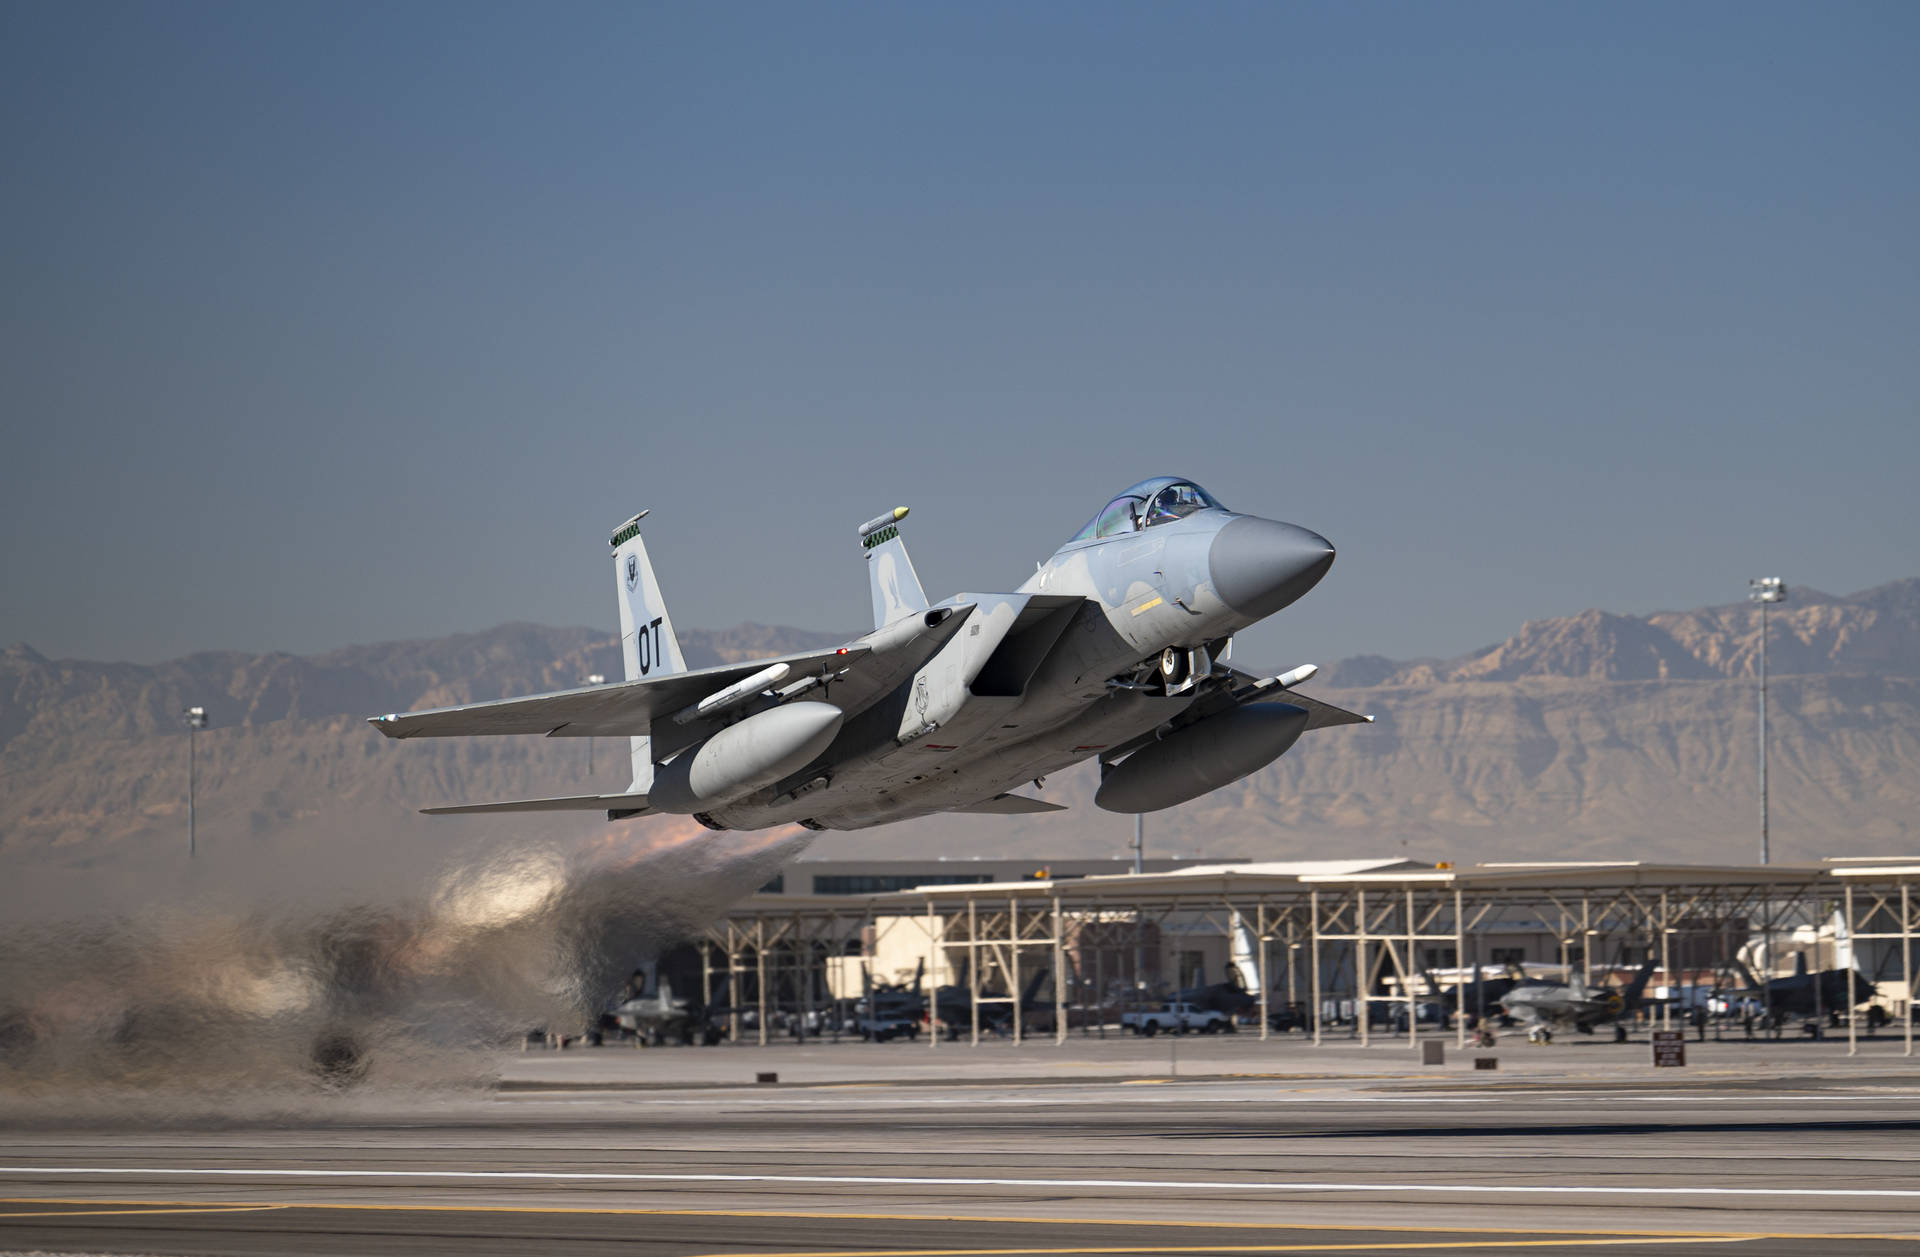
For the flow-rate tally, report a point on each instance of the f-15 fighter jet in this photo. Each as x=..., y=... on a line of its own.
x=1116, y=647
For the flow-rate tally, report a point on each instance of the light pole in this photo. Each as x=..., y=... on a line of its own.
x=595, y=679
x=1765, y=590
x=196, y=718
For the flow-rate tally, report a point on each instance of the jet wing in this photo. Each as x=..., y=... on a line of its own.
x=627, y=708
x=1319, y=715
x=1243, y=688
x=626, y=804
x=1010, y=805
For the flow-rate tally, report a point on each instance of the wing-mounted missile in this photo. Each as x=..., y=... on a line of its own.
x=739, y=692
x=1280, y=689
x=1285, y=681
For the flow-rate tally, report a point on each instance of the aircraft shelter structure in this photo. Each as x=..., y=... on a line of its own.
x=1358, y=937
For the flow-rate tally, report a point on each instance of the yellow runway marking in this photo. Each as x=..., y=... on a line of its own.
x=1389, y=1246
x=106, y=1213
x=1614, y=1235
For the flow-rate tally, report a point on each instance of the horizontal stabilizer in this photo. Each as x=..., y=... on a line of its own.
x=631, y=804
x=1010, y=805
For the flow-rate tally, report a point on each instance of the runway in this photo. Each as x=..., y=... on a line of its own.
x=887, y=1150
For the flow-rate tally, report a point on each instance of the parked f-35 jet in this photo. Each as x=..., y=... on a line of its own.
x=1544, y=1007
x=1115, y=648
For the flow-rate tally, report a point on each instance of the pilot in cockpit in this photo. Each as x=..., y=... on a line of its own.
x=1176, y=501
x=1148, y=503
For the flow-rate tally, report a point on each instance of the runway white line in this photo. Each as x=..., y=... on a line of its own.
x=880, y=1180
x=735, y=1103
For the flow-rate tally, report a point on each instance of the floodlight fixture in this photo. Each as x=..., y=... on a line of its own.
x=196, y=719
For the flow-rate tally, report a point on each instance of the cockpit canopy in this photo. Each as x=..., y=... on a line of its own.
x=1158, y=501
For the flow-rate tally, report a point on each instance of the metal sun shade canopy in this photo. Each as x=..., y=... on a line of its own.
x=1386, y=907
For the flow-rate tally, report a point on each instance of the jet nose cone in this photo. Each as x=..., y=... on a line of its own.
x=1260, y=565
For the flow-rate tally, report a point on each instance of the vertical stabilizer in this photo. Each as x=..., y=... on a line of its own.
x=648, y=646
x=1246, y=953
x=890, y=575
x=1638, y=987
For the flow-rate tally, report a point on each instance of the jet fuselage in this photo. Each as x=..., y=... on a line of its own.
x=1183, y=586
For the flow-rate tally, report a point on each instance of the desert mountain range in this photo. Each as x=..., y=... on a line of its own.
x=1589, y=736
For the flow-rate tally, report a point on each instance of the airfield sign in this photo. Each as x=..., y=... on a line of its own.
x=1669, y=1048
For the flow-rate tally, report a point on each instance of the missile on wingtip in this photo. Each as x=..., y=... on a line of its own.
x=738, y=692
x=1285, y=681
x=878, y=522
x=1305, y=672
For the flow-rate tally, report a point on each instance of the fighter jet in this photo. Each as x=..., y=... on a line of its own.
x=1476, y=996
x=1544, y=1007
x=651, y=1018
x=1116, y=648
x=1805, y=994
x=953, y=1006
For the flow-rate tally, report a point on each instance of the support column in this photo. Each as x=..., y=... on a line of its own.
x=973, y=967
x=1293, y=959
x=1260, y=933
x=1313, y=946
x=1059, y=976
x=1099, y=966
x=1013, y=963
x=706, y=984
x=1906, y=962
x=801, y=936
x=1666, y=966
x=1407, y=968
x=1853, y=960
x=1586, y=941
x=1362, y=988
x=733, y=984
x=760, y=971
x=1459, y=967
x=933, y=981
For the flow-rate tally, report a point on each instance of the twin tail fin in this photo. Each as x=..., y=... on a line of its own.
x=890, y=575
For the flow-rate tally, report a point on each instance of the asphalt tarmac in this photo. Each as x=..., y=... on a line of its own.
x=1004, y=1149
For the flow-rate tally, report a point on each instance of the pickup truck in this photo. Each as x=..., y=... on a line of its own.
x=1177, y=1019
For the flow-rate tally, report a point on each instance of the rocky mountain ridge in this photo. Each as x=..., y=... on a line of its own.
x=1875, y=631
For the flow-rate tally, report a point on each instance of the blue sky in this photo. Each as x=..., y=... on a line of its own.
x=334, y=324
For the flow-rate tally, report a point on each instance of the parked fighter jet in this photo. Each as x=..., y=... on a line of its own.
x=1476, y=997
x=1804, y=994
x=1544, y=1007
x=652, y=1018
x=953, y=1006
x=1240, y=993
x=1116, y=648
